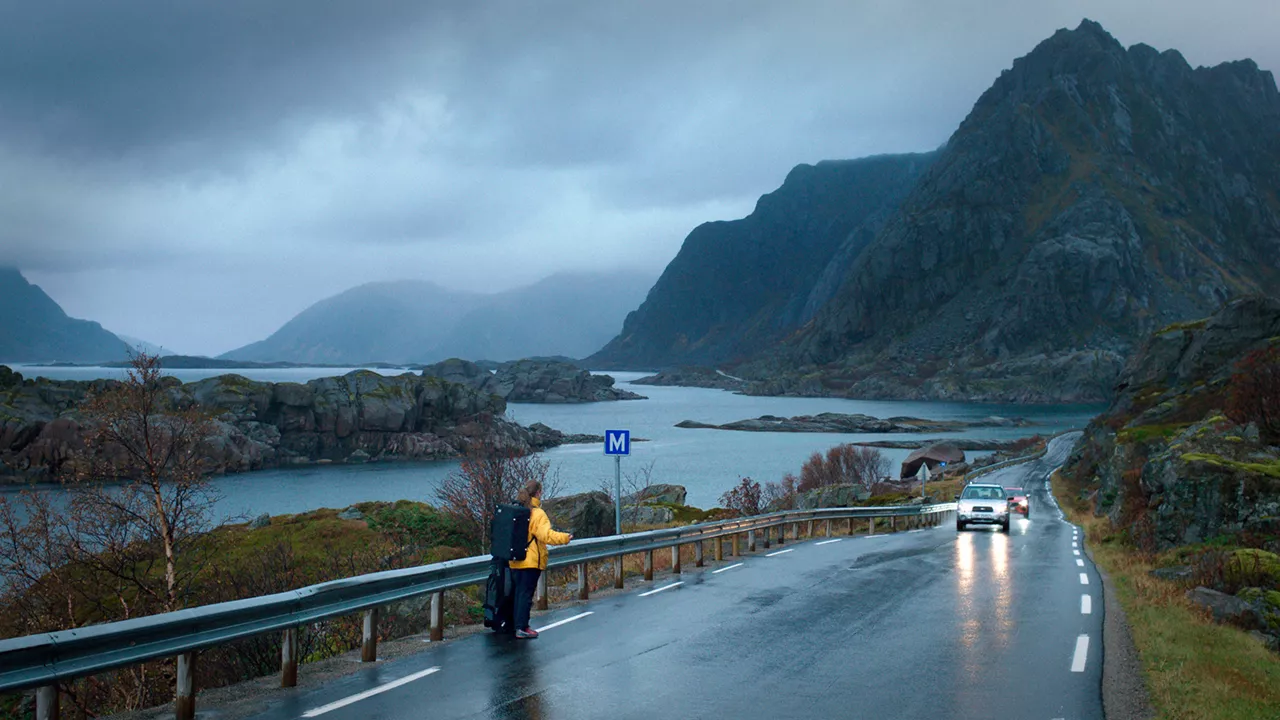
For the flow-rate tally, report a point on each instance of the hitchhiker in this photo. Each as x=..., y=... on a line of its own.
x=526, y=571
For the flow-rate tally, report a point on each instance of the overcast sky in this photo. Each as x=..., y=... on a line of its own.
x=195, y=173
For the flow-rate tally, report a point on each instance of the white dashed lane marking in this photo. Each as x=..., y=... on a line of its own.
x=369, y=693
x=664, y=587
x=828, y=542
x=1086, y=604
x=1082, y=653
x=780, y=552
x=1079, y=562
x=1084, y=579
x=558, y=623
x=717, y=572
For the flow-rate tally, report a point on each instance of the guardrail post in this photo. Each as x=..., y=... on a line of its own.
x=767, y=530
x=871, y=525
x=584, y=589
x=675, y=559
x=542, y=590
x=369, y=646
x=851, y=526
x=617, y=571
x=47, y=703
x=184, y=701
x=437, y=616
x=809, y=532
x=751, y=541
x=782, y=534
x=697, y=554
x=719, y=545
x=648, y=566
x=893, y=523
x=828, y=528
x=289, y=658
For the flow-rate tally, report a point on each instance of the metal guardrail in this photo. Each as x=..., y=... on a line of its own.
x=1018, y=460
x=44, y=660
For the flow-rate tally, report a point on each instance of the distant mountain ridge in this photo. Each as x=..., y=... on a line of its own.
x=418, y=322
x=1093, y=195
x=34, y=328
x=737, y=286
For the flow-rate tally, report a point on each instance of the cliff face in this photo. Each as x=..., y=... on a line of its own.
x=358, y=417
x=1093, y=195
x=1164, y=461
x=33, y=328
x=737, y=287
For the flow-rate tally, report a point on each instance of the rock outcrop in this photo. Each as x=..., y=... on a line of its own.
x=358, y=417
x=584, y=515
x=692, y=376
x=842, y=423
x=533, y=381
x=543, y=381
x=1163, y=458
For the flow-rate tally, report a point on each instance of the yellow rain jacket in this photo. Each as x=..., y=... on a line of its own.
x=540, y=536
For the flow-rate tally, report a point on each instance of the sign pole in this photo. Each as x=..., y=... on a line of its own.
x=617, y=443
x=617, y=497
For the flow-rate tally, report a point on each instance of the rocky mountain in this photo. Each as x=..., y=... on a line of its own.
x=1094, y=194
x=33, y=328
x=737, y=287
x=419, y=322
x=358, y=417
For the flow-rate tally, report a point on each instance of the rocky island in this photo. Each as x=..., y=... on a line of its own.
x=533, y=381
x=358, y=417
x=693, y=376
x=842, y=423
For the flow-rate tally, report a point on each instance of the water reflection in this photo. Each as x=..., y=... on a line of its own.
x=520, y=698
x=984, y=603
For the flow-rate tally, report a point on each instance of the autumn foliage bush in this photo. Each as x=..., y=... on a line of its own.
x=1253, y=394
x=843, y=465
x=744, y=499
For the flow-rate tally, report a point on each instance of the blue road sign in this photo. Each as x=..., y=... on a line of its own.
x=617, y=442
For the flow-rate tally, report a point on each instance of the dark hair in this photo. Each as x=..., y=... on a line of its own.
x=531, y=490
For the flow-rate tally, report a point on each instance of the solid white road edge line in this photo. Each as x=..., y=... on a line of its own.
x=664, y=587
x=716, y=572
x=1082, y=652
x=1079, y=562
x=780, y=552
x=1084, y=579
x=828, y=542
x=558, y=623
x=369, y=693
x=1086, y=604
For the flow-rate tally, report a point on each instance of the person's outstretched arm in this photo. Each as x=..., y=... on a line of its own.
x=540, y=525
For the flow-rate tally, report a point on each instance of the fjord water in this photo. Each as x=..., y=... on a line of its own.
x=707, y=462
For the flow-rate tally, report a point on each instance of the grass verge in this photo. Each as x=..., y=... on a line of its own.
x=1194, y=668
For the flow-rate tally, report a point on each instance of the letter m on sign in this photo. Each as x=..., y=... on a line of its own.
x=617, y=442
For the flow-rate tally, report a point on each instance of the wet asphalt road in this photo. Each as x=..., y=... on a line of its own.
x=926, y=624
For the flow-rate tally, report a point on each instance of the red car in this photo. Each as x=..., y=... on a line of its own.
x=1018, y=501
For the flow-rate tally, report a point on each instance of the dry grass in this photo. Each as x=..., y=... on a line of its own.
x=1195, y=669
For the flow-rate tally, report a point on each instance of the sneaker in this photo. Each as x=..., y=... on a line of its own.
x=527, y=634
